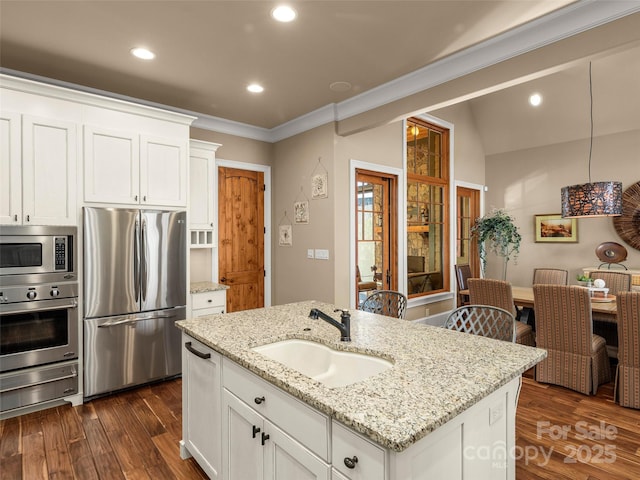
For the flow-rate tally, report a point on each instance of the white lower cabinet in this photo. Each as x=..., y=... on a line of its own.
x=208, y=303
x=261, y=432
x=255, y=448
x=201, y=406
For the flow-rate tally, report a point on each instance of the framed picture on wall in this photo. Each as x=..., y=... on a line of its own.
x=552, y=228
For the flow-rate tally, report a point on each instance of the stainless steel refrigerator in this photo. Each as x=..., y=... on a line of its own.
x=134, y=291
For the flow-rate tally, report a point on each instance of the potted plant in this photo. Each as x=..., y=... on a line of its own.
x=497, y=233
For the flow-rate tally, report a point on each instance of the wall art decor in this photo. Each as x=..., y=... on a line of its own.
x=552, y=228
x=301, y=212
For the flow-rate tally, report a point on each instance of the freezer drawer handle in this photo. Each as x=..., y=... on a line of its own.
x=129, y=321
x=197, y=353
x=73, y=374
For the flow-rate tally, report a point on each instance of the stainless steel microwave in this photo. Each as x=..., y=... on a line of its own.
x=37, y=250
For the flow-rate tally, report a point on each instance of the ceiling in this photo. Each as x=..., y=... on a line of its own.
x=209, y=51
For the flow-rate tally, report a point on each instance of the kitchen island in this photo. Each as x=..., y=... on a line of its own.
x=445, y=407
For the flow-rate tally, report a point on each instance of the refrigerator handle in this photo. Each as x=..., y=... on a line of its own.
x=143, y=261
x=136, y=261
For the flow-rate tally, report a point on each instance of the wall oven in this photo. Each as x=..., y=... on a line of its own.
x=39, y=326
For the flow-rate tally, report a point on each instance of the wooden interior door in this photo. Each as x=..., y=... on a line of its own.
x=376, y=239
x=468, y=209
x=241, y=237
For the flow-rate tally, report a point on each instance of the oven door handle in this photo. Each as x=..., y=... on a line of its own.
x=61, y=306
x=130, y=321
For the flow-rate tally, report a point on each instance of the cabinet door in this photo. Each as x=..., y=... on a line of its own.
x=163, y=172
x=201, y=185
x=11, y=168
x=48, y=171
x=286, y=459
x=242, y=449
x=111, y=166
x=202, y=406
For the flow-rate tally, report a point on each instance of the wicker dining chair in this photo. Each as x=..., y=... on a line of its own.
x=627, y=387
x=550, y=276
x=497, y=293
x=385, y=302
x=616, y=282
x=484, y=320
x=577, y=358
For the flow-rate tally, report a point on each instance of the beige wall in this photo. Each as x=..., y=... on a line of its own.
x=528, y=182
x=468, y=151
x=294, y=276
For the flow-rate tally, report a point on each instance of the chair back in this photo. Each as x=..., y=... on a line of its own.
x=563, y=318
x=385, y=302
x=496, y=293
x=616, y=282
x=363, y=286
x=550, y=276
x=484, y=320
x=463, y=273
x=628, y=320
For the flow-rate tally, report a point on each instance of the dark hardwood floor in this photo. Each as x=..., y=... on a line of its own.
x=134, y=435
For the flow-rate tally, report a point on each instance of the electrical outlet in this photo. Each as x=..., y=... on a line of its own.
x=426, y=312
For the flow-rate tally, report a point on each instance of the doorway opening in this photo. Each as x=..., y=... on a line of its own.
x=376, y=216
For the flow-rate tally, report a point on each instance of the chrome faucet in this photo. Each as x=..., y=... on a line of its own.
x=344, y=325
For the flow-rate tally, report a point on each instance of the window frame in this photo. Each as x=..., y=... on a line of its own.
x=445, y=182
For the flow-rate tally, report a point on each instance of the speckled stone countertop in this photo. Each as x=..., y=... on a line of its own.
x=202, y=287
x=437, y=373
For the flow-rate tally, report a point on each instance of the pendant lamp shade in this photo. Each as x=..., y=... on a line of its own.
x=599, y=199
x=593, y=199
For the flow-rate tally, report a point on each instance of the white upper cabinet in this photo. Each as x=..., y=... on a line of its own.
x=127, y=168
x=40, y=157
x=202, y=200
x=111, y=166
x=163, y=171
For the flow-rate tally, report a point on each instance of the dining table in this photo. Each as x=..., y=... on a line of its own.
x=604, y=309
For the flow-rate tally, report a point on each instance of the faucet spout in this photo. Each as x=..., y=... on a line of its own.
x=344, y=325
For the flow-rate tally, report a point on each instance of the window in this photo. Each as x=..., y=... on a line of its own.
x=427, y=208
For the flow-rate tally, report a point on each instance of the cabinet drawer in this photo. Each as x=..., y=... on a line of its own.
x=203, y=312
x=208, y=299
x=306, y=425
x=346, y=444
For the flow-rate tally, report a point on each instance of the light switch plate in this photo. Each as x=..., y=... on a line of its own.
x=322, y=254
x=310, y=253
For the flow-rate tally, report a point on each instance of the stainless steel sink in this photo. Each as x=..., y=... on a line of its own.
x=333, y=368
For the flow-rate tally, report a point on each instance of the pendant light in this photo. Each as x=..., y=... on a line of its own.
x=593, y=199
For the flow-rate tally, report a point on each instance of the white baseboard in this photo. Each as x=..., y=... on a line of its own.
x=436, y=320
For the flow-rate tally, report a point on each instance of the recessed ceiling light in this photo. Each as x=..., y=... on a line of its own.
x=535, y=99
x=340, y=86
x=255, y=88
x=143, y=53
x=284, y=13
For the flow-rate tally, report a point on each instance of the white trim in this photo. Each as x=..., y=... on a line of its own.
x=401, y=200
x=254, y=167
x=555, y=26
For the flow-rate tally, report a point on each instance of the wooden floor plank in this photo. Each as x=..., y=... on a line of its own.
x=136, y=434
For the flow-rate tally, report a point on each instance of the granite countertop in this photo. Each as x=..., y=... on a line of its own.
x=437, y=373
x=202, y=287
